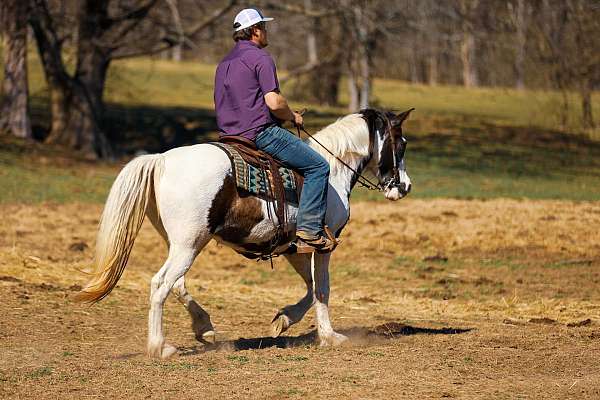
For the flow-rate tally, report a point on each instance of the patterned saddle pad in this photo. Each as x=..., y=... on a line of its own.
x=258, y=181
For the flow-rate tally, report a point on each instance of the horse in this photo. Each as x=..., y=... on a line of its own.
x=190, y=197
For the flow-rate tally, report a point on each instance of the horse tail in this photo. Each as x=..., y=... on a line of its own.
x=120, y=223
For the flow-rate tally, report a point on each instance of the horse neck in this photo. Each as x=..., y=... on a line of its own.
x=344, y=175
x=341, y=177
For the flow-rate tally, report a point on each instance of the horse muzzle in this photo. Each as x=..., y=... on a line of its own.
x=397, y=192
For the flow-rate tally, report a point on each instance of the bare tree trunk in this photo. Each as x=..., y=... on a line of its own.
x=586, y=105
x=76, y=102
x=353, y=92
x=365, y=89
x=467, y=44
x=311, y=36
x=14, y=115
x=317, y=79
x=564, y=111
x=433, y=61
x=467, y=56
x=413, y=68
x=176, y=53
x=521, y=40
x=432, y=69
x=364, y=54
x=177, y=50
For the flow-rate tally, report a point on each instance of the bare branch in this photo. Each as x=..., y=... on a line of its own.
x=299, y=10
x=176, y=20
x=135, y=14
x=307, y=68
x=210, y=19
x=144, y=52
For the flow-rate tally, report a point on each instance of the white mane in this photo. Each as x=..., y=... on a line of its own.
x=347, y=138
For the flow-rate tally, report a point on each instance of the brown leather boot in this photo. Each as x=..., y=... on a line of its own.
x=309, y=243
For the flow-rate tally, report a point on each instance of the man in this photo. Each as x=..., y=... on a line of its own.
x=248, y=103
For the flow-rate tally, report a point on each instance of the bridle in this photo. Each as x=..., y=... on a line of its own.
x=361, y=179
x=394, y=181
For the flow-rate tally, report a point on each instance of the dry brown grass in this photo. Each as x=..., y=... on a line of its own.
x=489, y=266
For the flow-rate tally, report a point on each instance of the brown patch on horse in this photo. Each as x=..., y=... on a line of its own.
x=221, y=204
x=233, y=215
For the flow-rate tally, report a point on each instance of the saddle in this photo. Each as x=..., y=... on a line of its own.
x=261, y=174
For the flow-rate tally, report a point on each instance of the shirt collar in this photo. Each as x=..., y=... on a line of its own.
x=247, y=43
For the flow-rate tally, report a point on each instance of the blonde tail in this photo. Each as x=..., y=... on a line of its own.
x=121, y=220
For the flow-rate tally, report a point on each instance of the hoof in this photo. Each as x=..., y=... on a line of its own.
x=209, y=337
x=168, y=351
x=161, y=350
x=280, y=324
x=204, y=333
x=334, y=339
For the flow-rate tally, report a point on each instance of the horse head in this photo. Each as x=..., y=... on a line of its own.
x=389, y=146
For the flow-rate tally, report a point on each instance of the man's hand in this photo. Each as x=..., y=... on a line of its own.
x=298, y=119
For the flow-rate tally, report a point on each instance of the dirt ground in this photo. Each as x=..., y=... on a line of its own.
x=441, y=299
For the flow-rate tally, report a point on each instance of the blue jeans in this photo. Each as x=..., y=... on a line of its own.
x=296, y=154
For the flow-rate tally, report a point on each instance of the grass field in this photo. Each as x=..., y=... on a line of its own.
x=478, y=143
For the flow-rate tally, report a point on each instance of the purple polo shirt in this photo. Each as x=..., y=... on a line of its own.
x=242, y=79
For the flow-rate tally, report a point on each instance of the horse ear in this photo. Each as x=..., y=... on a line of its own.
x=399, y=119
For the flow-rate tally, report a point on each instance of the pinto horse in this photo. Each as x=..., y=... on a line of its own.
x=190, y=196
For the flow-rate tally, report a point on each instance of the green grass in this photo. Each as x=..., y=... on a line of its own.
x=40, y=372
x=463, y=143
x=32, y=178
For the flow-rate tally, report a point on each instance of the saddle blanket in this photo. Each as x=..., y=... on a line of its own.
x=258, y=181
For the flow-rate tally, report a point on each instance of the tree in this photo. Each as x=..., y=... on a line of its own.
x=76, y=98
x=520, y=13
x=317, y=79
x=567, y=41
x=14, y=115
x=467, y=11
x=103, y=31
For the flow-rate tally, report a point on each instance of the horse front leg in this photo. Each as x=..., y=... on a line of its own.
x=327, y=336
x=293, y=313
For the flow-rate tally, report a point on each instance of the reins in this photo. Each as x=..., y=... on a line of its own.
x=365, y=182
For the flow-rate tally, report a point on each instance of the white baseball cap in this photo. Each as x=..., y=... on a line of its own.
x=248, y=17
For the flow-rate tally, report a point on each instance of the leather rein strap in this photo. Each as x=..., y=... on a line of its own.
x=365, y=182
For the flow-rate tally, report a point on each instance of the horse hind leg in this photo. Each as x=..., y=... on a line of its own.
x=201, y=324
x=293, y=313
x=178, y=263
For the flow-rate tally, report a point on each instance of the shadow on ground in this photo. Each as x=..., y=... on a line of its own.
x=459, y=144
x=357, y=335
x=154, y=129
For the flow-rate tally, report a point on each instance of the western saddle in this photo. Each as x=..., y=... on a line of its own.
x=270, y=169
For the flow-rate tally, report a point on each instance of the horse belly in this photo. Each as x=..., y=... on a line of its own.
x=250, y=225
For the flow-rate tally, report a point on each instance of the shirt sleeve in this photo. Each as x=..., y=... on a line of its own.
x=267, y=75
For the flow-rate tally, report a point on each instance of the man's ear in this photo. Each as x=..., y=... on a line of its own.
x=399, y=118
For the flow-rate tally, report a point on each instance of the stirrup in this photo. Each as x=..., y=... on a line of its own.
x=307, y=243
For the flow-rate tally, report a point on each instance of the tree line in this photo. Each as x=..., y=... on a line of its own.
x=539, y=44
